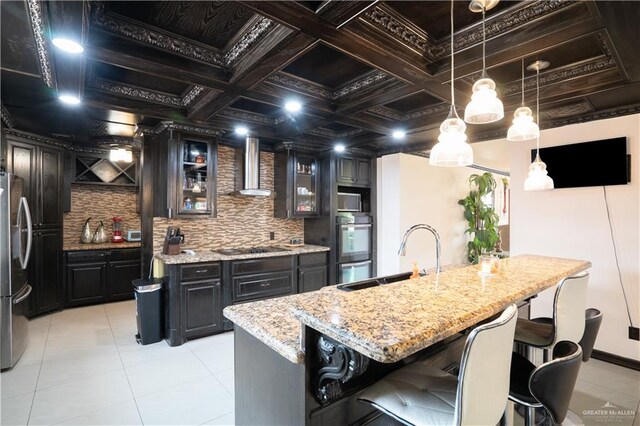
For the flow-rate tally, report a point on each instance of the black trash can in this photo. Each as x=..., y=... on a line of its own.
x=148, y=292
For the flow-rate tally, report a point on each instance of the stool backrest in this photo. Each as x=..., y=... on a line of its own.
x=483, y=382
x=592, y=321
x=552, y=383
x=568, y=308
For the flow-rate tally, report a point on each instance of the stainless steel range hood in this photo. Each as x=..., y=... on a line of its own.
x=251, y=181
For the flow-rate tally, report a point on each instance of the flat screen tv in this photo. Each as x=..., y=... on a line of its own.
x=597, y=163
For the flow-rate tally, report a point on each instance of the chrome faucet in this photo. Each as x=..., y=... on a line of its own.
x=403, y=246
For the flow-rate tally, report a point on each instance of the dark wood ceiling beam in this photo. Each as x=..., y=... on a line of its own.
x=377, y=55
x=69, y=20
x=379, y=97
x=340, y=13
x=271, y=61
x=103, y=100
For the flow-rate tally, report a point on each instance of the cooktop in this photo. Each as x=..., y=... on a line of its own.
x=248, y=250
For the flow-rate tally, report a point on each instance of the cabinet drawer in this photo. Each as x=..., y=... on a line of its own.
x=125, y=254
x=199, y=271
x=253, y=266
x=87, y=256
x=312, y=259
x=262, y=285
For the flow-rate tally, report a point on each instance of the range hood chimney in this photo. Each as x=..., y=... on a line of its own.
x=251, y=181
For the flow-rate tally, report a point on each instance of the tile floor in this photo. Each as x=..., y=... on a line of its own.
x=84, y=367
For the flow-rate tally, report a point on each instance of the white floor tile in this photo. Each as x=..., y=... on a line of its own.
x=133, y=353
x=589, y=396
x=95, y=339
x=227, y=379
x=79, y=364
x=225, y=338
x=217, y=357
x=611, y=376
x=79, y=397
x=125, y=413
x=192, y=403
x=226, y=420
x=15, y=410
x=163, y=373
x=19, y=380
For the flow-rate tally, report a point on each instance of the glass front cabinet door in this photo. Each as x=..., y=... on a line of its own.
x=297, y=185
x=196, y=177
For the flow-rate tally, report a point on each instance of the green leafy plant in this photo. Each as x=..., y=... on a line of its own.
x=481, y=218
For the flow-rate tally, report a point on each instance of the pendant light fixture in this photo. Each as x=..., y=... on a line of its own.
x=523, y=127
x=538, y=179
x=452, y=149
x=485, y=107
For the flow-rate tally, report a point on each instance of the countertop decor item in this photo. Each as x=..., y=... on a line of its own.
x=452, y=149
x=87, y=235
x=101, y=235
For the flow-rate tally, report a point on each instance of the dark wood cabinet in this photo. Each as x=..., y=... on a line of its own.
x=45, y=275
x=312, y=279
x=184, y=183
x=353, y=171
x=201, y=308
x=100, y=276
x=86, y=283
x=41, y=167
x=297, y=185
x=98, y=169
x=261, y=278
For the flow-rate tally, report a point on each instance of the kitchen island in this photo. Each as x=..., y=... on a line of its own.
x=302, y=359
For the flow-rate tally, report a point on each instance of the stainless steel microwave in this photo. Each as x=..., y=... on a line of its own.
x=348, y=202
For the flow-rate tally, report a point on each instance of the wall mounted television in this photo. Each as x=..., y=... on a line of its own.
x=596, y=163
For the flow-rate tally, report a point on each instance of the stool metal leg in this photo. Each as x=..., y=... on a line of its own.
x=530, y=417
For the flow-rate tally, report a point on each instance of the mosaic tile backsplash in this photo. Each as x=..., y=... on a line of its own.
x=100, y=203
x=241, y=221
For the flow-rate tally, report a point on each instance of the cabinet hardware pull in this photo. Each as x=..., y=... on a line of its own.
x=265, y=284
x=200, y=271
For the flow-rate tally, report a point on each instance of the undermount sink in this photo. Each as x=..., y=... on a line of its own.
x=374, y=282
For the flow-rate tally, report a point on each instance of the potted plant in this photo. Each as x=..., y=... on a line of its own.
x=481, y=218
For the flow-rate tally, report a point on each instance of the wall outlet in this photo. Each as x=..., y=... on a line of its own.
x=272, y=236
x=634, y=333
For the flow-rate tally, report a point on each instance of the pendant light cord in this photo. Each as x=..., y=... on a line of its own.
x=484, y=66
x=538, y=112
x=522, y=85
x=453, y=99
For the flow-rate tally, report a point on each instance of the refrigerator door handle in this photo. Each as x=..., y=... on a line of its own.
x=26, y=291
x=24, y=208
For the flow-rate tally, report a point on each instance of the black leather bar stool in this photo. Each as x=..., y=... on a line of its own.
x=569, y=305
x=549, y=386
x=421, y=395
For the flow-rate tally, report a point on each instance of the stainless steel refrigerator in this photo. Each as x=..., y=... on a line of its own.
x=15, y=249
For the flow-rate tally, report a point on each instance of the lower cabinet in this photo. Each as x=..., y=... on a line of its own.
x=45, y=273
x=201, y=308
x=99, y=276
x=312, y=278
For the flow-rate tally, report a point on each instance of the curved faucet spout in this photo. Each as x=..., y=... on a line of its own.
x=403, y=246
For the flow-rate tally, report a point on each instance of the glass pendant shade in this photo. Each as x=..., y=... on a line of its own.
x=523, y=127
x=538, y=179
x=452, y=149
x=485, y=107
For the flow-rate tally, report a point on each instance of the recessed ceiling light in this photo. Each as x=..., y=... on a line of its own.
x=339, y=148
x=69, y=99
x=293, y=106
x=398, y=134
x=242, y=131
x=67, y=45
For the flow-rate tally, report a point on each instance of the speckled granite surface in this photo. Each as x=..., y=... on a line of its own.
x=391, y=322
x=209, y=256
x=102, y=246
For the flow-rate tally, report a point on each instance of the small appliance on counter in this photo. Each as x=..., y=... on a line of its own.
x=134, y=235
x=172, y=241
x=117, y=230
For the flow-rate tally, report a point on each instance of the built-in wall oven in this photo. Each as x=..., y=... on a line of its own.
x=354, y=247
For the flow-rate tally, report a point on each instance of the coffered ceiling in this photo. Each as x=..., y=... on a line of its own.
x=361, y=69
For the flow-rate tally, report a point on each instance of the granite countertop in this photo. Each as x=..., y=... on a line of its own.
x=391, y=322
x=100, y=246
x=210, y=256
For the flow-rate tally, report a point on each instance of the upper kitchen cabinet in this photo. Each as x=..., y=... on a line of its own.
x=353, y=171
x=297, y=185
x=185, y=170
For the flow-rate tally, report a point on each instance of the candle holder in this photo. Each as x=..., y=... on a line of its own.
x=489, y=265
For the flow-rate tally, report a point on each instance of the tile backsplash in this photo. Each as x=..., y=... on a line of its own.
x=241, y=221
x=100, y=203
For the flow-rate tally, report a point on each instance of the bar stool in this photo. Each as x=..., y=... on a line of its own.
x=421, y=395
x=549, y=386
x=568, y=318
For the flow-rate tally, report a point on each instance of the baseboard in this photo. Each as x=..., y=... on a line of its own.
x=616, y=359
